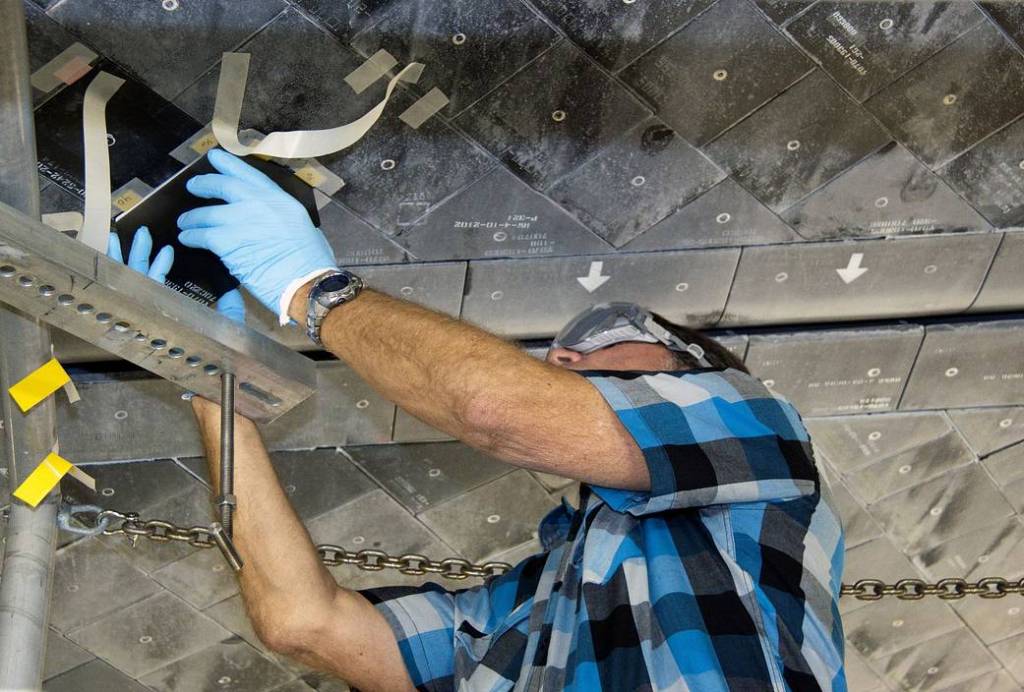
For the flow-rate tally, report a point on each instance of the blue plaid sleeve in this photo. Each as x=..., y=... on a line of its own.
x=421, y=619
x=709, y=438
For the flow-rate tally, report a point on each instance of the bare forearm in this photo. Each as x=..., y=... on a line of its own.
x=281, y=566
x=434, y=367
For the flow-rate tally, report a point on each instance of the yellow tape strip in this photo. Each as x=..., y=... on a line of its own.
x=41, y=481
x=39, y=384
x=421, y=111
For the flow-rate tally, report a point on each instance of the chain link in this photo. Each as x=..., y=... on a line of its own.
x=110, y=522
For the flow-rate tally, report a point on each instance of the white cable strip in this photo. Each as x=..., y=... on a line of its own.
x=298, y=144
x=96, y=226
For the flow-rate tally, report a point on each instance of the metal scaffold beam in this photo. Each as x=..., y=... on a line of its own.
x=24, y=346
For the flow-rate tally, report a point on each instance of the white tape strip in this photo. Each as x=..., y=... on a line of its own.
x=299, y=144
x=421, y=111
x=66, y=68
x=64, y=220
x=375, y=67
x=96, y=227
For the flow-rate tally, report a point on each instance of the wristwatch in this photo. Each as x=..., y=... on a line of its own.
x=329, y=291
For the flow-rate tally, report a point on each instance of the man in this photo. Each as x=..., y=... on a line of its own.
x=705, y=554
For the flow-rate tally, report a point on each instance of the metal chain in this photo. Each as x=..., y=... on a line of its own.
x=110, y=522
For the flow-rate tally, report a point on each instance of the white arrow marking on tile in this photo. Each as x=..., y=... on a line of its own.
x=593, y=280
x=853, y=270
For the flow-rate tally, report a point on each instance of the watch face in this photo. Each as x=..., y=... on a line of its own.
x=337, y=282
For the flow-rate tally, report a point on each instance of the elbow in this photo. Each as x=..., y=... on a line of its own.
x=288, y=629
x=481, y=423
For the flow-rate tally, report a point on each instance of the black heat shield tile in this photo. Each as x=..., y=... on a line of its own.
x=498, y=216
x=781, y=11
x=143, y=128
x=796, y=143
x=724, y=215
x=615, y=32
x=290, y=89
x=970, y=89
x=867, y=45
x=345, y=19
x=635, y=182
x=716, y=70
x=395, y=173
x=552, y=116
x=1008, y=14
x=166, y=44
x=889, y=193
x=991, y=176
x=468, y=48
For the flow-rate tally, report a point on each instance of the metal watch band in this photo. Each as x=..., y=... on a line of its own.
x=317, y=308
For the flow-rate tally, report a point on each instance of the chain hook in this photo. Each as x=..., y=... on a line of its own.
x=67, y=513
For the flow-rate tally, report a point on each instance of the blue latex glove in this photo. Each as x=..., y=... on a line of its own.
x=263, y=235
x=230, y=304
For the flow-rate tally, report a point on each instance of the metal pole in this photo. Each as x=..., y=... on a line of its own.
x=227, y=450
x=24, y=346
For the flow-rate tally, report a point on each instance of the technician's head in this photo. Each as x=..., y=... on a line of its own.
x=624, y=336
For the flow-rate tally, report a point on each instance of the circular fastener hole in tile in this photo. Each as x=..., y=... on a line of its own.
x=949, y=99
x=7, y=271
x=65, y=299
x=793, y=144
x=897, y=623
x=724, y=217
x=874, y=435
x=120, y=415
x=111, y=140
x=170, y=5
x=145, y=639
x=882, y=202
x=1015, y=610
x=497, y=295
x=1019, y=165
x=217, y=568
x=886, y=24
x=638, y=181
x=982, y=559
x=459, y=38
x=434, y=473
x=933, y=670
x=558, y=116
x=407, y=290
x=47, y=290
x=494, y=519
x=387, y=164
x=72, y=588
x=683, y=287
x=720, y=75
x=905, y=469
x=359, y=540
x=500, y=237
x=107, y=492
x=1006, y=422
x=768, y=383
x=362, y=403
x=874, y=372
x=931, y=269
x=781, y=277
x=952, y=372
x=289, y=488
x=935, y=511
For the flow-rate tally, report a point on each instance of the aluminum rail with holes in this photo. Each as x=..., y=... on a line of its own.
x=74, y=288
x=31, y=541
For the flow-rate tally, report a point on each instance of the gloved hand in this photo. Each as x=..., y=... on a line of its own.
x=263, y=235
x=230, y=304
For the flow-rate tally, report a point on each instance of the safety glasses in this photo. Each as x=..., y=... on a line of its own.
x=606, y=324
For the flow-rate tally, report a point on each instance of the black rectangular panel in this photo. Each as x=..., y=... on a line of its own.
x=1004, y=286
x=991, y=176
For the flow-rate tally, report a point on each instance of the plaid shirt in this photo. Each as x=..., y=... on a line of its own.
x=724, y=576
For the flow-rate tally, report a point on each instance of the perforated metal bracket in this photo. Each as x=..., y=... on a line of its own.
x=72, y=287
